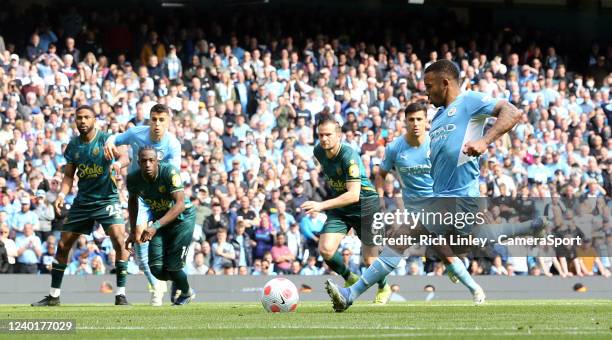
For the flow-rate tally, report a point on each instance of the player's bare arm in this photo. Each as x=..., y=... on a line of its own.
x=507, y=117
x=379, y=181
x=69, y=170
x=179, y=206
x=110, y=149
x=120, y=163
x=349, y=197
x=133, y=214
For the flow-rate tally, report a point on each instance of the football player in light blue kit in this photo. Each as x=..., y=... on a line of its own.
x=408, y=155
x=456, y=143
x=169, y=149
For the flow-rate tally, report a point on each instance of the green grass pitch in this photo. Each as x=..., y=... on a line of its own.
x=582, y=319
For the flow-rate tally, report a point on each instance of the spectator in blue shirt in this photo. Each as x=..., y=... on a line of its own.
x=281, y=210
x=311, y=267
x=29, y=250
x=24, y=216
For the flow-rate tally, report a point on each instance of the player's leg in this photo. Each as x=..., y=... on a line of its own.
x=343, y=298
x=177, y=244
x=57, y=269
x=142, y=249
x=77, y=222
x=387, y=261
x=157, y=288
x=156, y=255
x=328, y=248
x=536, y=227
x=117, y=235
x=456, y=268
x=382, y=265
x=363, y=222
x=334, y=230
x=370, y=250
x=492, y=232
x=370, y=256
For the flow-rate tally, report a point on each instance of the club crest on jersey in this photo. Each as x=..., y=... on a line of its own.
x=452, y=112
x=176, y=180
x=162, y=189
x=76, y=156
x=339, y=170
x=353, y=170
x=96, y=151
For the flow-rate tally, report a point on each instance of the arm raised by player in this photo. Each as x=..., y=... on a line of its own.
x=507, y=117
x=69, y=170
x=120, y=163
x=110, y=147
x=179, y=206
x=351, y=196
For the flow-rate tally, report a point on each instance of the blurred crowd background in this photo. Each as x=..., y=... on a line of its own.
x=247, y=85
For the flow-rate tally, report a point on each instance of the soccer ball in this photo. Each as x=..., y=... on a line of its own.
x=280, y=296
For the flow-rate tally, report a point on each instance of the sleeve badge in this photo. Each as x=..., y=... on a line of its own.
x=353, y=171
x=176, y=180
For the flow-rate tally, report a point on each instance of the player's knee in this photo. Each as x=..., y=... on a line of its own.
x=62, y=256
x=118, y=245
x=327, y=251
x=157, y=271
x=62, y=252
x=121, y=253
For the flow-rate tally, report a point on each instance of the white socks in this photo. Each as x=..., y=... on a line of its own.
x=55, y=292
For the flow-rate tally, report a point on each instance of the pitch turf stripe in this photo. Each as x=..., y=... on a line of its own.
x=505, y=333
x=413, y=334
x=433, y=329
x=390, y=307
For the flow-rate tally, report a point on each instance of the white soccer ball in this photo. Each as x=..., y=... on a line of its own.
x=280, y=296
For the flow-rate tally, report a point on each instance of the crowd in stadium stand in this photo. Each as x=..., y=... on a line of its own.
x=244, y=108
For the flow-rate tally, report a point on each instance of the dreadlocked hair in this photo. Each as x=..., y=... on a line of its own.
x=148, y=148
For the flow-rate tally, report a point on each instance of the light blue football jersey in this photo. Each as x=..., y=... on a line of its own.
x=454, y=173
x=169, y=148
x=412, y=165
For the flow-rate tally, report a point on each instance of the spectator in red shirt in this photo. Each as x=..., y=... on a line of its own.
x=281, y=255
x=370, y=146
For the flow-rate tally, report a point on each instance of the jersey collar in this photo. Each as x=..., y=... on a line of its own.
x=439, y=112
x=94, y=137
x=337, y=153
x=442, y=109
